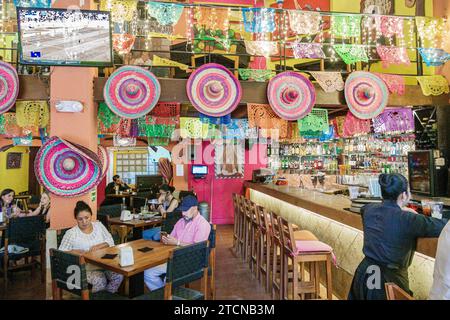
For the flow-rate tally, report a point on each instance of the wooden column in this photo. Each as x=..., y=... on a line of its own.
x=72, y=83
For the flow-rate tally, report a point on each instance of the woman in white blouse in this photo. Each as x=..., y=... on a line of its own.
x=88, y=236
x=441, y=276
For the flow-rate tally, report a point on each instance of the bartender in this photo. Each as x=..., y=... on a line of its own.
x=390, y=236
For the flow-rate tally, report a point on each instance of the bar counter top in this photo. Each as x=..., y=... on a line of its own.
x=329, y=206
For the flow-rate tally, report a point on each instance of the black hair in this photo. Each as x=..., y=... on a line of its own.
x=81, y=206
x=4, y=193
x=167, y=188
x=116, y=177
x=392, y=185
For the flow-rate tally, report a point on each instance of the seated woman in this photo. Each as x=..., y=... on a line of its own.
x=88, y=236
x=43, y=208
x=167, y=204
x=390, y=236
x=7, y=207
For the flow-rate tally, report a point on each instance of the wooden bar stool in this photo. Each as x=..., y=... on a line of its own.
x=277, y=257
x=254, y=243
x=237, y=223
x=245, y=208
x=264, y=246
x=300, y=252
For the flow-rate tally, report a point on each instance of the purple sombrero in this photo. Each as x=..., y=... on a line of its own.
x=132, y=92
x=367, y=95
x=104, y=160
x=213, y=90
x=67, y=169
x=291, y=95
x=9, y=86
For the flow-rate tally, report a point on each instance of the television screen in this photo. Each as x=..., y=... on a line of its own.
x=64, y=37
x=199, y=170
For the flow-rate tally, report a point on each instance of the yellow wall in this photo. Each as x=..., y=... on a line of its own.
x=16, y=179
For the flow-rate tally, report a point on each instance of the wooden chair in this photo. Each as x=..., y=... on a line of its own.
x=264, y=246
x=394, y=292
x=299, y=254
x=212, y=262
x=245, y=208
x=237, y=221
x=185, y=265
x=254, y=261
x=69, y=274
x=277, y=257
x=60, y=235
x=120, y=233
x=29, y=233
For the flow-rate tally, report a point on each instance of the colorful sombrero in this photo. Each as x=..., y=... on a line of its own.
x=67, y=169
x=104, y=160
x=9, y=86
x=367, y=95
x=291, y=95
x=132, y=92
x=213, y=90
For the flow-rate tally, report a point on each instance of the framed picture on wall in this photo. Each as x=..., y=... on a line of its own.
x=13, y=160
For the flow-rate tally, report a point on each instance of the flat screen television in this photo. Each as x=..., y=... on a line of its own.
x=199, y=170
x=149, y=183
x=64, y=37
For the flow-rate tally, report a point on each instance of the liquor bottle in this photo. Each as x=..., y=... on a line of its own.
x=269, y=150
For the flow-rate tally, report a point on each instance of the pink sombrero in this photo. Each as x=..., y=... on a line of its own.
x=367, y=95
x=104, y=160
x=131, y=92
x=213, y=90
x=67, y=169
x=291, y=95
x=9, y=86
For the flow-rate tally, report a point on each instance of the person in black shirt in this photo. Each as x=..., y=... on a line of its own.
x=111, y=189
x=390, y=236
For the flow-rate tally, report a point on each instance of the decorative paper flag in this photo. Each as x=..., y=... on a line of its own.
x=214, y=90
x=23, y=141
x=338, y=124
x=390, y=26
x=9, y=86
x=108, y=121
x=123, y=42
x=215, y=120
x=346, y=26
x=354, y=126
x=162, y=62
x=236, y=129
x=304, y=22
x=67, y=169
x=393, y=55
x=165, y=13
x=32, y=114
x=165, y=113
x=398, y=120
x=131, y=92
x=434, y=57
x=433, y=85
x=33, y=3
x=315, y=124
x=366, y=94
x=261, y=48
x=258, y=75
x=329, y=81
x=429, y=28
x=212, y=18
x=351, y=53
x=11, y=129
x=291, y=95
x=193, y=128
x=395, y=83
x=261, y=116
x=259, y=20
x=121, y=10
x=307, y=50
x=119, y=141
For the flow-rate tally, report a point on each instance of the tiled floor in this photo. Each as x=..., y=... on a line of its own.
x=233, y=278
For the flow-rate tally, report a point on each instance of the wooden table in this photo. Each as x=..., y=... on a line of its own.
x=138, y=225
x=123, y=196
x=134, y=275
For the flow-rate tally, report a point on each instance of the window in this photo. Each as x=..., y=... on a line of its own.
x=130, y=164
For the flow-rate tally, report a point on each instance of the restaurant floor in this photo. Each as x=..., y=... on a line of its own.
x=233, y=278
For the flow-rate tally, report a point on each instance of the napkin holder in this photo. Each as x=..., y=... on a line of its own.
x=126, y=215
x=126, y=257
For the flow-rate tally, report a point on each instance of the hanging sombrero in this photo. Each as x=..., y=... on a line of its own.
x=67, y=169
x=9, y=86
x=104, y=160
x=367, y=95
x=213, y=90
x=132, y=92
x=291, y=95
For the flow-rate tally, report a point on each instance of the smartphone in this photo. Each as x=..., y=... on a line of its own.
x=164, y=234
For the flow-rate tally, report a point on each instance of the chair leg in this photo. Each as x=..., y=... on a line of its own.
x=329, y=279
x=274, y=271
x=285, y=277
x=295, y=280
x=268, y=267
x=317, y=279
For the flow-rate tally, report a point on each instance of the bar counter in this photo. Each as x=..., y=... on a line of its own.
x=325, y=216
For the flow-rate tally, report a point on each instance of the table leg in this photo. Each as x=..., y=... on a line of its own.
x=137, y=233
x=135, y=285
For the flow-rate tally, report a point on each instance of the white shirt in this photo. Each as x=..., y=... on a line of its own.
x=75, y=239
x=441, y=276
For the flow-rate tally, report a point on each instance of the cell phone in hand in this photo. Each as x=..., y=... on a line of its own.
x=164, y=234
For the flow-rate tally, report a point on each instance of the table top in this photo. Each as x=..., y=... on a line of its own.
x=123, y=195
x=22, y=197
x=142, y=261
x=136, y=223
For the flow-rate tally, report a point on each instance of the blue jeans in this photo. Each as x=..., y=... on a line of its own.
x=152, y=234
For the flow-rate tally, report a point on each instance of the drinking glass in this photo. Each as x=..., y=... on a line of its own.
x=426, y=207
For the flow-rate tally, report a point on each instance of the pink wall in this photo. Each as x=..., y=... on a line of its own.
x=221, y=190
